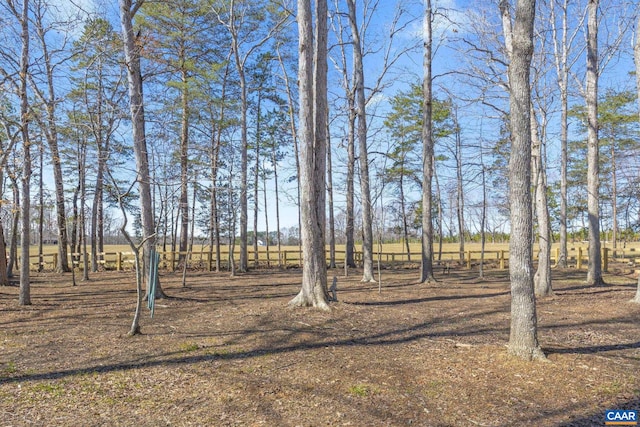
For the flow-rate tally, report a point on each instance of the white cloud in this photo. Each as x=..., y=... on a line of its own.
x=449, y=19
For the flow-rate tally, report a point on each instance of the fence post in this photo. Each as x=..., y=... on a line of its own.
x=579, y=259
x=605, y=260
x=501, y=260
x=469, y=259
x=55, y=262
x=118, y=261
x=284, y=259
x=557, y=255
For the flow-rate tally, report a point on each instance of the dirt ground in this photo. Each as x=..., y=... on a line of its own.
x=227, y=351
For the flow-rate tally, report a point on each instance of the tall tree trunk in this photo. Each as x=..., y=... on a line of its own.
x=405, y=222
x=184, y=167
x=4, y=276
x=350, y=229
x=523, y=339
x=542, y=278
x=460, y=187
x=25, y=211
x=256, y=182
x=15, y=221
x=194, y=198
x=40, y=209
x=266, y=218
x=216, y=141
x=483, y=215
x=426, y=271
x=97, y=224
x=594, y=275
x=50, y=128
x=214, y=223
x=132, y=49
x=363, y=155
x=274, y=160
x=332, y=226
x=244, y=144
x=232, y=215
x=313, y=116
x=440, y=213
x=294, y=135
x=561, y=56
x=564, y=253
x=636, y=56
x=97, y=212
x=82, y=246
x=74, y=241
x=614, y=196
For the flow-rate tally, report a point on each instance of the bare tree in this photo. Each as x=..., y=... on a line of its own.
x=459, y=182
x=594, y=275
x=46, y=94
x=312, y=77
x=332, y=226
x=542, y=277
x=426, y=271
x=294, y=131
x=523, y=339
x=636, y=56
x=563, y=43
x=348, y=86
x=132, y=49
x=12, y=135
x=353, y=82
x=25, y=212
x=363, y=154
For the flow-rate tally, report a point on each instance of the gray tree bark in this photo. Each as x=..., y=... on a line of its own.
x=134, y=76
x=561, y=57
x=459, y=185
x=523, y=339
x=594, y=274
x=363, y=154
x=48, y=98
x=332, y=226
x=426, y=265
x=294, y=134
x=184, y=161
x=350, y=212
x=542, y=278
x=313, y=145
x=244, y=144
x=25, y=211
x=636, y=56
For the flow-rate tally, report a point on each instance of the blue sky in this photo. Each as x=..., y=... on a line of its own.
x=449, y=29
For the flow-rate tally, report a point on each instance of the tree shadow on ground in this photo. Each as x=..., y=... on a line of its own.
x=592, y=349
x=322, y=339
x=426, y=299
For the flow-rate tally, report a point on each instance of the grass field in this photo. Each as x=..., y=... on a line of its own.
x=495, y=256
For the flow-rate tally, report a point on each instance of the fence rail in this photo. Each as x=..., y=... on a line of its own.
x=172, y=260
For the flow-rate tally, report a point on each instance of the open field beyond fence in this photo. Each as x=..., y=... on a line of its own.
x=495, y=255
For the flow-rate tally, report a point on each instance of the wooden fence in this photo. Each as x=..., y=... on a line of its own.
x=205, y=260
